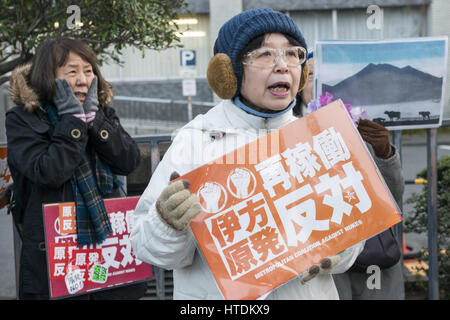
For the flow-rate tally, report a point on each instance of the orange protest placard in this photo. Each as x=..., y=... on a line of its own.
x=304, y=192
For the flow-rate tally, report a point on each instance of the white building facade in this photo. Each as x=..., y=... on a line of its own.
x=320, y=19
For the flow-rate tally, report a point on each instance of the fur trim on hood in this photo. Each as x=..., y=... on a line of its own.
x=20, y=91
x=22, y=94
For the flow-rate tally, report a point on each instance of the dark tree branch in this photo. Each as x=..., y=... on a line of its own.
x=10, y=65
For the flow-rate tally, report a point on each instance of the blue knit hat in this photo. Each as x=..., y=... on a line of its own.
x=237, y=32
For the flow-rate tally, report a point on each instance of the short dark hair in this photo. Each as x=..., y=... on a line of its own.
x=53, y=54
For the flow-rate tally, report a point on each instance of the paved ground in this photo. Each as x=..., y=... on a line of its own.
x=7, y=273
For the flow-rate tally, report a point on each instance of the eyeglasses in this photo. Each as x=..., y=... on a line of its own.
x=268, y=57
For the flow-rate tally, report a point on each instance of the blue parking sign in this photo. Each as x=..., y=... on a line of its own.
x=187, y=58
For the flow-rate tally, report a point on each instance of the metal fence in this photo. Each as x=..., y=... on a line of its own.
x=145, y=116
x=151, y=108
x=152, y=149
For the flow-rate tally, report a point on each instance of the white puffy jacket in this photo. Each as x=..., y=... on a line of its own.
x=197, y=143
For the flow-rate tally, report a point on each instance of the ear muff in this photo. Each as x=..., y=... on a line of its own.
x=304, y=77
x=221, y=77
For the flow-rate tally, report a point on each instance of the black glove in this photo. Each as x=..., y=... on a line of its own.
x=377, y=136
x=65, y=100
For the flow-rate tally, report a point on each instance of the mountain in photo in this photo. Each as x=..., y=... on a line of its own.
x=385, y=83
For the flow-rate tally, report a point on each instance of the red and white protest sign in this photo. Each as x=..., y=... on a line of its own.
x=5, y=174
x=73, y=270
x=304, y=192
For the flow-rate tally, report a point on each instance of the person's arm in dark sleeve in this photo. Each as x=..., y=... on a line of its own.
x=43, y=160
x=112, y=143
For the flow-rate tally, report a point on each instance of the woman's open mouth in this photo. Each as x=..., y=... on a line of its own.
x=80, y=96
x=279, y=88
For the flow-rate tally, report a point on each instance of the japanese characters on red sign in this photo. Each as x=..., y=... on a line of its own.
x=76, y=270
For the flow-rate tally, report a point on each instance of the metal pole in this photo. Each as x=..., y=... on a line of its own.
x=398, y=228
x=189, y=108
x=17, y=252
x=433, y=271
x=158, y=272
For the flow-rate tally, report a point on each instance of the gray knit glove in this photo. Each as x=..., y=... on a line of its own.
x=323, y=267
x=65, y=100
x=91, y=103
x=176, y=205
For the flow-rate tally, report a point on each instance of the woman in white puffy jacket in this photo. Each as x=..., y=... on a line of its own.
x=258, y=69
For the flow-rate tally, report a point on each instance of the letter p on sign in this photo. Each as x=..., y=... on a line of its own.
x=187, y=58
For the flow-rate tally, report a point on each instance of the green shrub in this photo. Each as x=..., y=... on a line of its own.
x=418, y=222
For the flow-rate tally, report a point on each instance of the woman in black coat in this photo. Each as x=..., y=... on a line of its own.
x=60, y=134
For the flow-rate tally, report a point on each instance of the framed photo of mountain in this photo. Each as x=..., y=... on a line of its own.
x=401, y=83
